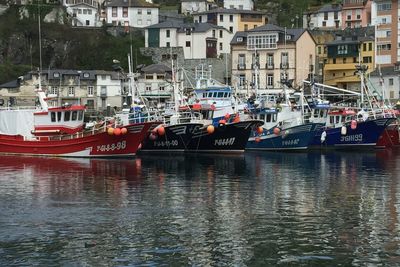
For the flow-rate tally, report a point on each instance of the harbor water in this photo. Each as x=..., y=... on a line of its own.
x=253, y=209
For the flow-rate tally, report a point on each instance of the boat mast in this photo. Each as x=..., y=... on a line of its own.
x=40, y=91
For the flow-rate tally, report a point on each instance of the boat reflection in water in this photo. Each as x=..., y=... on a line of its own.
x=256, y=209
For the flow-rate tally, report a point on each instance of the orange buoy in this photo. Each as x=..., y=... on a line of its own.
x=210, y=129
x=117, y=131
x=353, y=124
x=124, y=131
x=161, y=130
x=110, y=131
x=222, y=121
x=236, y=118
x=260, y=130
x=277, y=130
x=227, y=116
x=257, y=139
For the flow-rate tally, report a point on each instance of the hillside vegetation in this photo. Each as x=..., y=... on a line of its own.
x=62, y=46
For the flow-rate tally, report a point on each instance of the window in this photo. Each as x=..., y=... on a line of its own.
x=325, y=15
x=114, y=11
x=358, y=13
x=125, y=12
x=188, y=31
x=220, y=46
x=270, y=61
x=187, y=43
x=367, y=59
x=59, y=116
x=74, y=115
x=80, y=113
x=220, y=33
x=384, y=6
x=54, y=90
x=56, y=75
x=364, y=46
x=264, y=41
x=86, y=75
x=85, y=12
x=324, y=24
x=168, y=33
x=139, y=12
x=149, y=77
x=71, y=91
x=213, y=33
x=221, y=18
x=53, y=116
x=369, y=46
x=230, y=18
x=87, y=22
x=319, y=50
x=103, y=90
x=386, y=47
x=242, y=80
x=167, y=44
x=239, y=39
x=148, y=11
x=242, y=61
x=148, y=87
x=284, y=60
x=388, y=33
x=335, y=15
x=391, y=82
x=67, y=115
x=90, y=90
x=200, y=19
x=270, y=80
x=161, y=88
x=348, y=15
x=246, y=27
x=89, y=11
x=342, y=50
x=231, y=29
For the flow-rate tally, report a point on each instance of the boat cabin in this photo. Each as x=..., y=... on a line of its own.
x=67, y=119
x=337, y=118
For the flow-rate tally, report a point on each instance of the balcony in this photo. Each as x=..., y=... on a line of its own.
x=284, y=66
x=270, y=66
x=344, y=66
x=241, y=66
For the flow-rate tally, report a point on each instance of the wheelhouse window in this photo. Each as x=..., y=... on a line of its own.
x=59, y=114
x=74, y=115
x=53, y=116
x=67, y=115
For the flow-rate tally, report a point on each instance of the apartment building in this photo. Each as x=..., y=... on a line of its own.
x=356, y=13
x=265, y=57
x=239, y=4
x=385, y=16
x=343, y=54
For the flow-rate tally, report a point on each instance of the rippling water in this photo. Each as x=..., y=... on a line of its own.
x=256, y=209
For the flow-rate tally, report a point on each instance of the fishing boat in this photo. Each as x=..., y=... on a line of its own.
x=284, y=126
x=60, y=131
x=356, y=127
x=210, y=124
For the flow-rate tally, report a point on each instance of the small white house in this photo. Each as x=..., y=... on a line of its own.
x=109, y=89
x=327, y=17
x=131, y=13
x=192, y=6
x=199, y=40
x=239, y=4
x=387, y=85
x=83, y=13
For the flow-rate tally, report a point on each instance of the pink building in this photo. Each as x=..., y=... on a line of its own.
x=356, y=13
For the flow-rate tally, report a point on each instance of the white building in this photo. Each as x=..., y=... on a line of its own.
x=84, y=13
x=327, y=17
x=199, y=40
x=192, y=6
x=239, y=4
x=109, y=89
x=131, y=13
x=388, y=83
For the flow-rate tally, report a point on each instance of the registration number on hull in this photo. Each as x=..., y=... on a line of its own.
x=352, y=138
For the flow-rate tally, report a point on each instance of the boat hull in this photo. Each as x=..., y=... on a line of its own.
x=194, y=137
x=390, y=137
x=91, y=145
x=293, y=138
x=364, y=136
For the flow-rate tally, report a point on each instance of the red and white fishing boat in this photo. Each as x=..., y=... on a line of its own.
x=60, y=131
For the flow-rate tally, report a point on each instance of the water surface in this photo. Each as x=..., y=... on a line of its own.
x=256, y=209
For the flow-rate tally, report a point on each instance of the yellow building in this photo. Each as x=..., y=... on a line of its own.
x=343, y=54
